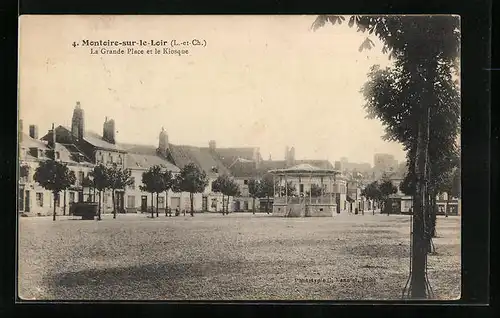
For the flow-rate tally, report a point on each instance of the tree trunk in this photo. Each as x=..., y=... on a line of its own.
x=419, y=244
x=54, y=213
x=64, y=208
x=114, y=203
x=267, y=205
x=446, y=207
x=191, y=197
x=157, y=204
x=433, y=215
x=100, y=205
x=223, y=205
x=253, y=207
x=166, y=202
x=152, y=205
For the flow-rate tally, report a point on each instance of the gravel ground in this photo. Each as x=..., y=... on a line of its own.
x=234, y=257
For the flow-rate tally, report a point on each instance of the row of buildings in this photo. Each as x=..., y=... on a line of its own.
x=82, y=150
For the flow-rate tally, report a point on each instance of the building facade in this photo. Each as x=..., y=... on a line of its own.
x=33, y=199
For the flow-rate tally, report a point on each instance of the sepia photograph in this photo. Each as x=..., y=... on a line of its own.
x=239, y=158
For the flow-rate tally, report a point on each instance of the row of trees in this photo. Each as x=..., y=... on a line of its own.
x=379, y=192
x=157, y=180
x=55, y=176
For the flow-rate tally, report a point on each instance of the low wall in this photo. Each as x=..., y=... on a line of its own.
x=279, y=210
x=316, y=210
x=301, y=210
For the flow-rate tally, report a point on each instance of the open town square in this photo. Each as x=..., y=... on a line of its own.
x=240, y=256
x=239, y=158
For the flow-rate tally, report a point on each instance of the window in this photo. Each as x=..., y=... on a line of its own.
x=110, y=159
x=24, y=173
x=71, y=197
x=161, y=202
x=81, y=176
x=120, y=160
x=132, y=186
x=131, y=201
x=245, y=182
x=301, y=187
x=39, y=199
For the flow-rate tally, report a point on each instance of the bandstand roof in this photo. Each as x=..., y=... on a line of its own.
x=304, y=169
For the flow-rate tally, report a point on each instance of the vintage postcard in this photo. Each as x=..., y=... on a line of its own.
x=269, y=157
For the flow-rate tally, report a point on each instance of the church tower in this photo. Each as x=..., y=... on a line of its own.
x=163, y=143
x=77, y=123
x=108, y=131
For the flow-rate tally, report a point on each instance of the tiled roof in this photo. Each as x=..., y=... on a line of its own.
x=141, y=161
x=242, y=169
x=96, y=140
x=68, y=153
x=201, y=157
x=323, y=164
x=229, y=155
x=182, y=155
x=139, y=149
x=29, y=142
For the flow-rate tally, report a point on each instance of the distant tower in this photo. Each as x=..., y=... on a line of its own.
x=77, y=123
x=108, y=131
x=292, y=155
x=270, y=159
x=212, y=145
x=256, y=157
x=163, y=143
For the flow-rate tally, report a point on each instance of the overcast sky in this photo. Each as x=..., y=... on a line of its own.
x=264, y=81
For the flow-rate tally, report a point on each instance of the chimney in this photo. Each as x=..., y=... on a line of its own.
x=34, y=131
x=52, y=142
x=212, y=145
